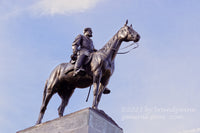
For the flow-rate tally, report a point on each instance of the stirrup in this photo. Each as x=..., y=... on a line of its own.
x=106, y=91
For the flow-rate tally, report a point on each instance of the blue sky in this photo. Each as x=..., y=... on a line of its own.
x=155, y=88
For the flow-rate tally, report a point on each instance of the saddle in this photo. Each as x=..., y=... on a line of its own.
x=72, y=62
x=87, y=60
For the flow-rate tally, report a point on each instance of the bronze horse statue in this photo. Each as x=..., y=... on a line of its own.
x=98, y=72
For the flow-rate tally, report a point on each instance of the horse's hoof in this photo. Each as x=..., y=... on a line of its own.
x=60, y=115
x=94, y=107
x=37, y=123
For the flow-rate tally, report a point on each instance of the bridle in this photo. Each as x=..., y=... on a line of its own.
x=137, y=45
x=132, y=44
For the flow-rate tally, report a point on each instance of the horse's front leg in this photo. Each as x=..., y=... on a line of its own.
x=96, y=82
x=102, y=86
x=100, y=91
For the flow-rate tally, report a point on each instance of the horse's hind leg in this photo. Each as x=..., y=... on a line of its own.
x=44, y=106
x=65, y=95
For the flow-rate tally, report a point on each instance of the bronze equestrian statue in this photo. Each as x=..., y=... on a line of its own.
x=98, y=70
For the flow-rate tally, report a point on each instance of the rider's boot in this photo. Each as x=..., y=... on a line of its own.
x=106, y=91
x=78, y=65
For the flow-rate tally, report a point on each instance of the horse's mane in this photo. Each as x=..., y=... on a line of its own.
x=107, y=46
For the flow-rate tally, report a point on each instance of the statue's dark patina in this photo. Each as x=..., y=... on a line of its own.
x=99, y=69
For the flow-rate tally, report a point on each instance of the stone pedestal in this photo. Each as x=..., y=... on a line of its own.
x=84, y=121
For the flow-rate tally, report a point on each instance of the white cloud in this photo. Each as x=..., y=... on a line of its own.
x=52, y=7
x=45, y=7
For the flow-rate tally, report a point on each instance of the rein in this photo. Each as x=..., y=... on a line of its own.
x=137, y=45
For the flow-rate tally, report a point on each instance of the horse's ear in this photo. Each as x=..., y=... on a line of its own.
x=126, y=22
x=131, y=26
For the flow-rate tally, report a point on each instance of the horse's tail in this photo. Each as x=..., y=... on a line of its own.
x=45, y=90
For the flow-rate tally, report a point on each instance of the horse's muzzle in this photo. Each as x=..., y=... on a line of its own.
x=137, y=38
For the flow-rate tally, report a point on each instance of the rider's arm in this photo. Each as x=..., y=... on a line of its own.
x=76, y=44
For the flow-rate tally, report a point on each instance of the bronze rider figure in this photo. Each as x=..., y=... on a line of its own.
x=82, y=48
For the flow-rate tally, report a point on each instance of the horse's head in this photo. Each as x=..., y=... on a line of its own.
x=127, y=33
